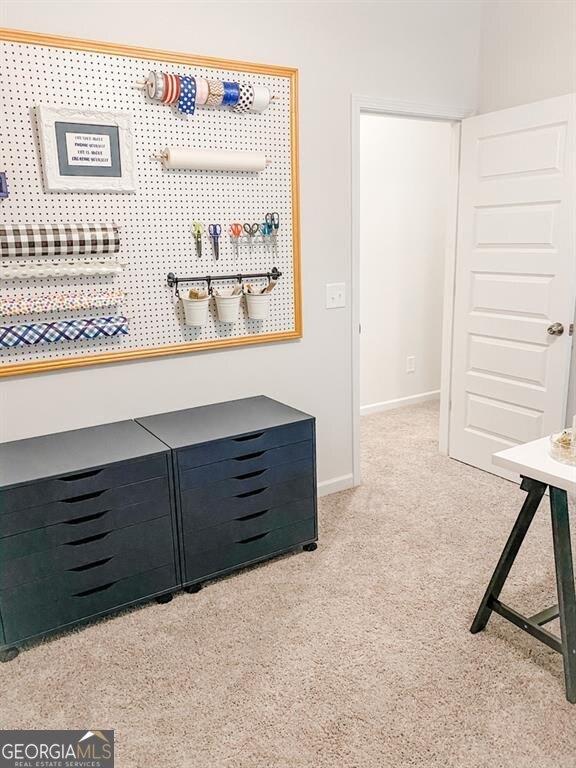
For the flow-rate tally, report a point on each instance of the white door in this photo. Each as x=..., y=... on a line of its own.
x=515, y=278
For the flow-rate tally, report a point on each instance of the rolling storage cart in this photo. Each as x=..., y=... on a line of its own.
x=86, y=527
x=245, y=477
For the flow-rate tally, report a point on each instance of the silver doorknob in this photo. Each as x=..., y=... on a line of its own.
x=556, y=329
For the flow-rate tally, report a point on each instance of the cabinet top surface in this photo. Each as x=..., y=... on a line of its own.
x=204, y=424
x=25, y=461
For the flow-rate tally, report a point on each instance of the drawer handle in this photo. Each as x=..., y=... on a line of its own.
x=89, y=566
x=250, y=456
x=251, y=474
x=84, y=497
x=245, y=438
x=253, y=538
x=86, y=518
x=92, y=591
x=80, y=476
x=251, y=493
x=253, y=516
x=88, y=539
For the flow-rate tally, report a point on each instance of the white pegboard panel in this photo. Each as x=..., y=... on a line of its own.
x=155, y=222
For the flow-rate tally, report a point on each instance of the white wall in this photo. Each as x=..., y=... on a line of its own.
x=417, y=51
x=404, y=186
x=528, y=53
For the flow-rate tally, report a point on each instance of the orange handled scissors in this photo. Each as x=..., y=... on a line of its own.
x=235, y=232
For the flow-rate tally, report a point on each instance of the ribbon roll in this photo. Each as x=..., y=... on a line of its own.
x=171, y=89
x=231, y=94
x=215, y=93
x=261, y=98
x=155, y=85
x=245, y=99
x=187, y=100
x=201, y=91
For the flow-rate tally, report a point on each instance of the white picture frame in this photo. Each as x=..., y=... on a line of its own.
x=86, y=150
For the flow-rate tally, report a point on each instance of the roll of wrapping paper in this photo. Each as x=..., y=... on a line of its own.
x=63, y=300
x=181, y=158
x=31, y=270
x=41, y=240
x=62, y=330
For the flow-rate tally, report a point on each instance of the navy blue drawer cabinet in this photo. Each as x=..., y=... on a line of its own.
x=87, y=526
x=245, y=477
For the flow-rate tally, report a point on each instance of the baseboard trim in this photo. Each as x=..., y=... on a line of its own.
x=389, y=405
x=335, y=484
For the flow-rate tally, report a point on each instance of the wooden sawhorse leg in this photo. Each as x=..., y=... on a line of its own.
x=566, y=608
x=531, y=503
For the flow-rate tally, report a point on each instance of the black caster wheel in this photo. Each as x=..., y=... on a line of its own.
x=164, y=598
x=310, y=547
x=193, y=588
x=8, y=654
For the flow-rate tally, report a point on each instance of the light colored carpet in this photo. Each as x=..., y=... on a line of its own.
x=355, y=656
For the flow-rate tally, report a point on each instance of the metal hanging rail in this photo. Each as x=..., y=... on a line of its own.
x=173, y=280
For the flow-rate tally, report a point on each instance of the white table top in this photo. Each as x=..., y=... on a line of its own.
x=533, y=460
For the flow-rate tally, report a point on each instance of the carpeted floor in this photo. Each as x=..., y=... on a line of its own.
x=355, y=656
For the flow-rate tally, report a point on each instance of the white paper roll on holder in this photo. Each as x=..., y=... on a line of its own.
x=212, y=160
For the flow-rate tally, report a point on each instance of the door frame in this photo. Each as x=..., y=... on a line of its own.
x=375, y=105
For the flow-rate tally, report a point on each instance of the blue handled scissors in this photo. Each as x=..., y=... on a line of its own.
x=266, y=231
x=273, y=221
x=215, y=230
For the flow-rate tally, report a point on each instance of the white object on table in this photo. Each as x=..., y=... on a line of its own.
x=533, y=460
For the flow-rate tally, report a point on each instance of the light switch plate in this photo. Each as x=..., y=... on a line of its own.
x=335, y=295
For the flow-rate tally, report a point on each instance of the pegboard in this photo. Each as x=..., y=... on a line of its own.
x=155, y=221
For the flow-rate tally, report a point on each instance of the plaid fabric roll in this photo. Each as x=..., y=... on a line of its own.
x=17, y=240
x=62, y=330
x=54, y=302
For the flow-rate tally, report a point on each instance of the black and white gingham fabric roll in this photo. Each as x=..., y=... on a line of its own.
x=39, y=240
x=246, y=98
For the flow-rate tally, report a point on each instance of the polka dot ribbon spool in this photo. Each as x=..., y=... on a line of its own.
x=215, y=93
x=187, y=100
x=171, y=89
x=231, y=94
x=245, y=99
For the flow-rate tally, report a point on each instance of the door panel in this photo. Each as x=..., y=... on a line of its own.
x=515, y=276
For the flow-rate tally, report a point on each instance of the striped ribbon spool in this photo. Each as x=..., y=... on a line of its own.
x=171, y=88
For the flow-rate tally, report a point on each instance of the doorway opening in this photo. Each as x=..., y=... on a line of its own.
x=405, y=187
x=405, y=179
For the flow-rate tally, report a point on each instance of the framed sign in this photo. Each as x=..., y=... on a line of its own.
x=85, y=151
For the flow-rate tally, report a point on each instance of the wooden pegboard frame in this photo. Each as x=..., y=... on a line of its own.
x=19, y=362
